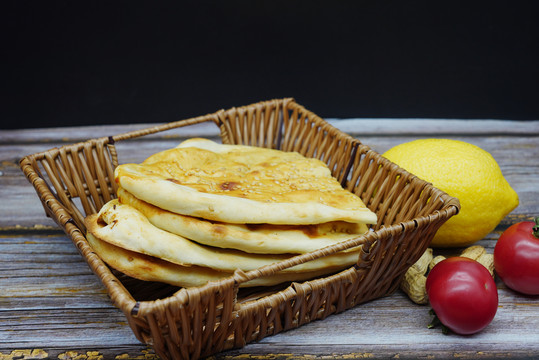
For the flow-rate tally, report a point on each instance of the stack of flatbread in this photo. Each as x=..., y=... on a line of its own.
x=200, y=211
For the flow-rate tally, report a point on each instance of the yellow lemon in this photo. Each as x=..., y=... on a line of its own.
x=466, y=172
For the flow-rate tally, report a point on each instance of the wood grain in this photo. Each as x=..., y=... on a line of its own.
x=52, y=306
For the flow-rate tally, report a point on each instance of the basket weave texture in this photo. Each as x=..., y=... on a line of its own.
x=74, y=181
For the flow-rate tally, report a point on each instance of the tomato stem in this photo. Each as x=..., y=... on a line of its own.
x=435, y=322
x=535, y=229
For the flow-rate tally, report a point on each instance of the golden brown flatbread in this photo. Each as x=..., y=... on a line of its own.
x=242, y=185
x=126, y=227
x=251, y=238
x=149, y=268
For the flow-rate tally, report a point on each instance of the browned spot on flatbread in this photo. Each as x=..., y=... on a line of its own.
x=101, y=222
x=146, y=268
x=229, y=185
x=309, y=230
x=219, y=230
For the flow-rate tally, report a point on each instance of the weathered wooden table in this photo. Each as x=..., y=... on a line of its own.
x=52, y=306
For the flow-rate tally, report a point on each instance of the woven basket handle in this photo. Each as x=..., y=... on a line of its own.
x=164, y=127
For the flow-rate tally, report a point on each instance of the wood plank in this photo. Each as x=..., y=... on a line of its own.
x=45, y=266
x=75, y=134
x=439, y=127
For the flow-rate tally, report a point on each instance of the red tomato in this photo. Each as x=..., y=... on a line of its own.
x=516, y=257
x=463, y=295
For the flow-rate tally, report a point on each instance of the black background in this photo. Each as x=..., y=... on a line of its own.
x=113, y=62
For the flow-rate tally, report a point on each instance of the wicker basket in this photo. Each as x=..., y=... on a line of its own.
x=76, y=180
